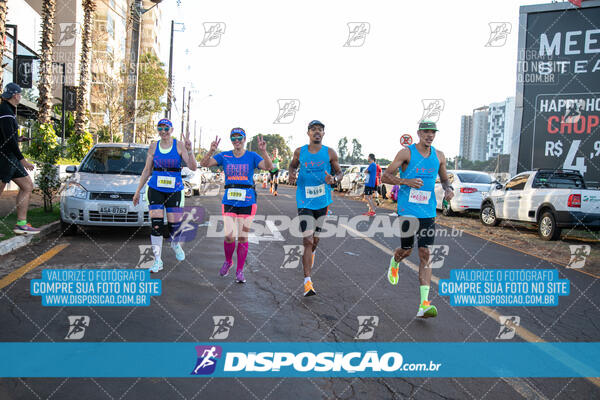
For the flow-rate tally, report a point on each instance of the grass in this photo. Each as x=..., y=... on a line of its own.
x=35, y=216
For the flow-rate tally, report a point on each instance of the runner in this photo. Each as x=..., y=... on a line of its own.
x=165, y=188
x=273, y=179
x=13, y=165
x=371, y=185
x=239, y=200
x=420, y=164
x=313, y=193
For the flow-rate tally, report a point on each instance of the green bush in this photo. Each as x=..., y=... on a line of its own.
x=78, y=145
x=45, y=151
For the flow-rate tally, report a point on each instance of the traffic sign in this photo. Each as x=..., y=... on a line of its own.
x=406, y=140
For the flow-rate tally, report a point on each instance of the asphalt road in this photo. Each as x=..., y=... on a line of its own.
x=350, y=279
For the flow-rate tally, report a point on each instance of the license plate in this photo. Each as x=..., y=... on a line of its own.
x=113, y=210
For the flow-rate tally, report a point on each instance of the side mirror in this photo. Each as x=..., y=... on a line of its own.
x=499, y=186
x=71, y=169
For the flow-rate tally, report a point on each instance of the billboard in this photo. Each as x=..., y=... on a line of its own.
x=557, y=110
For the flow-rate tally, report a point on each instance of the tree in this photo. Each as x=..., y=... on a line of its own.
x=3, y=10
x=45, y=83
x=89, y=7
x=274, y=141
x=343, y=149
x=383, y=162
x=152, y=85
x=356, y=155
x=45, y=151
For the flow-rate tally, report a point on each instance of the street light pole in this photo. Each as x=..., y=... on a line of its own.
x=170, y=88
x=183, y=111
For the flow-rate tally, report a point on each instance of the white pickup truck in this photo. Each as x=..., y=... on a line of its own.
x=552, y=199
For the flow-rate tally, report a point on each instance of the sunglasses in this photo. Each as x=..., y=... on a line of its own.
x=165, y=129
x=237, y=138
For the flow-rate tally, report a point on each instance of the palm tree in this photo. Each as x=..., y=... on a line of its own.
x=3, y=10
x=45, y=84
x=89, y=7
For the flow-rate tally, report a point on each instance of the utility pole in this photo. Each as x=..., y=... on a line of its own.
x=187, y=129
x=183, y=111
x=170, y=88
x=194, y=137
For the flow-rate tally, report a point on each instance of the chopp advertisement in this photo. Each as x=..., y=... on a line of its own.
x=559, y=91
x=284, y=200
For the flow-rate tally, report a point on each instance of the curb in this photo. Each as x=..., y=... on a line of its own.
x=19, y=241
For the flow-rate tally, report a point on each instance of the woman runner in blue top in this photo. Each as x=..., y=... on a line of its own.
x=239, y=200
x=165, y=188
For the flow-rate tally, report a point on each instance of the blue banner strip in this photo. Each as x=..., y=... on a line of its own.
x=300, y=359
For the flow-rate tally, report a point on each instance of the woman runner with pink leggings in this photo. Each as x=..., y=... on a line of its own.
x=239, y=200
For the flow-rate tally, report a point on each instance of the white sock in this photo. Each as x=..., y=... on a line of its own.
x=157, y=242
x=174, y=244
x=307, y=279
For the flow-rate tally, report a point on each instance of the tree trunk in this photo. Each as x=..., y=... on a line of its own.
x=3, y=10
x=89, y=6
x=45, y=83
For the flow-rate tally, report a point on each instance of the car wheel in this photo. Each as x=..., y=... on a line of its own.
x=547, y=228
x=187, y=191
x=447, y=209
x=487, y=215
x=67, y=228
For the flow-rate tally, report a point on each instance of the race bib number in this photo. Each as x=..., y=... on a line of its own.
x=314, y=191
x=165, y=182
x=236, y=194
x=419, y=196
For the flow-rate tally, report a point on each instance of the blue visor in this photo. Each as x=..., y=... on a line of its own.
x=238, y=131
x=165, y=121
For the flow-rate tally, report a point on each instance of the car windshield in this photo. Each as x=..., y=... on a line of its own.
x=470, y=177
x=115, y=160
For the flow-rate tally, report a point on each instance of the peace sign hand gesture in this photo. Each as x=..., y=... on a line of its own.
x=215, y=144
x=188, y=144
x=262, y=145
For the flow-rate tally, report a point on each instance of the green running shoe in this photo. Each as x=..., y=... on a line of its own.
x=393, y=271
x=426, y=310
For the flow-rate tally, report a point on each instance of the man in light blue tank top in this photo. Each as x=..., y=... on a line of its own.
x=419, y=165
x=314, y=164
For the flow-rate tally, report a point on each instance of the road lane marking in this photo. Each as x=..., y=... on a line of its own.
x=16, y=274
x=525, y=334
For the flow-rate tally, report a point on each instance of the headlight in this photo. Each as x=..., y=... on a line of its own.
x=144, y=191
x=73, y=189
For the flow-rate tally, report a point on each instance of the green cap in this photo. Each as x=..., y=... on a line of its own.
x=427, y=125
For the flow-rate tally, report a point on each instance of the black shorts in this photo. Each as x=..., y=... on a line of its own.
x=244, y=212
x=425, y=233
x=158, y=200
x=311, y=219
x=11, y=168
x=273, y=174
x=369, y=190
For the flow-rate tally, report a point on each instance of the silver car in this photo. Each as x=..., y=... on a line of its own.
x=470, y=188
x=100, y=191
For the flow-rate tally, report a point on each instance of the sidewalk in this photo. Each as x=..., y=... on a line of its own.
x=8, y=205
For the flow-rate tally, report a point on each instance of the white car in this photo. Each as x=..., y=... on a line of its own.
x=353, y=177
x=194, y=180
x=470, y=188
x=283, y=176
x=552, y=199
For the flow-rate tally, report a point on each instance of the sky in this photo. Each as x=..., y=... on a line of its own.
x=372, y=90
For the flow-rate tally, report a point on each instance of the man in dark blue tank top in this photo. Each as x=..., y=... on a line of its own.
x=314, y=164
x=419, y=166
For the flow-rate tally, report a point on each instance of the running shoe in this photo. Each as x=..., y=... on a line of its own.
x=239, y=277
x=369, y=213
x=308, y=289
x=225, y=268
x=26, y=229
x=157, y=266
x=179, y=254
x=426, y=310
x=393, y=271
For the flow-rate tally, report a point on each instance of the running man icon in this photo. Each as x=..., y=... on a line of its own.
x=207, y=359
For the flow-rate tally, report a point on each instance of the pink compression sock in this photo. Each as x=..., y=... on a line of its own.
x=242, y=252
x=229, y=248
